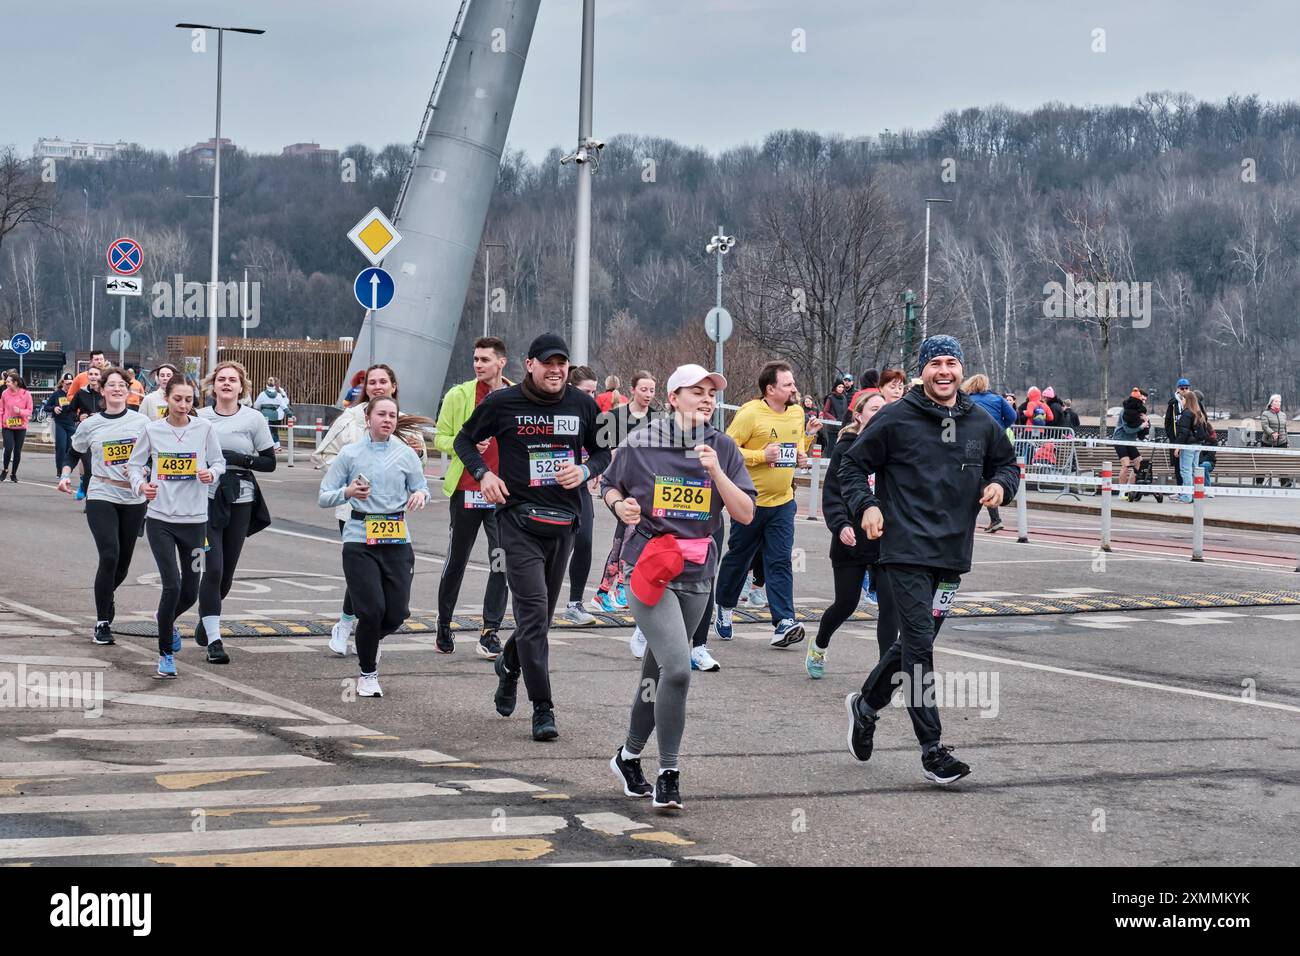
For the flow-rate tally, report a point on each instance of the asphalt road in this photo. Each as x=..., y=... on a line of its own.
x=1130, y=737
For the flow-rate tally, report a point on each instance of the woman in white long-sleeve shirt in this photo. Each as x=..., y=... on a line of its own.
x=184, y=456
x=378, y=479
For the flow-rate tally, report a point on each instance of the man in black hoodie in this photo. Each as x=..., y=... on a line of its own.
x=937, y=461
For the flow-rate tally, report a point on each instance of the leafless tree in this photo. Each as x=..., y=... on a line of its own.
x=25, y=199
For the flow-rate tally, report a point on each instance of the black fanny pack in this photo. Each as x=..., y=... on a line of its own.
x=543, y=521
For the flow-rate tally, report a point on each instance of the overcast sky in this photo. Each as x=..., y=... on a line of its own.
x=711, y=73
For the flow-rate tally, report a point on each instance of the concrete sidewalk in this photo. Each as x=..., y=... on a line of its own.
x=1271, y=515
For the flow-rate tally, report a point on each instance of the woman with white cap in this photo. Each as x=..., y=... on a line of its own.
x=668, y=485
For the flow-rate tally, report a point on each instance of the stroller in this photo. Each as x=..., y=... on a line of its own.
x=1145, y=476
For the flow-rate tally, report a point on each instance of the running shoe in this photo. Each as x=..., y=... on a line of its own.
x=942, y=767
x=575, y=614
x=620, y=596
x=216, y=653
x=489, y=645
x=994, y=527
x=872, y=597
x=104, y=634
x=787, y=632
x=630, y=775
x=702, y=660
x=603, y=602
x=339, y=635
x=368, y=686
x=200, y=634
x=166, y=668
x=815, y=662
x=507, y=687
x=544, y=721
x=757, y=596
x=722, y=623
x=80, y=495
x=176, y=639
x=862, y=730
x=668, y=791
x=637, y=643
x=444, y=642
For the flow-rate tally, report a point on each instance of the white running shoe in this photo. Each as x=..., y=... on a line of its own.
x=757, y=596
x=637, y=644
x=368, y=687
x=575, y=614
x=339, y=635
x=702, y=660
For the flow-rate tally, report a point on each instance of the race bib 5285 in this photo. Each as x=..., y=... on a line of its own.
x=177, y=465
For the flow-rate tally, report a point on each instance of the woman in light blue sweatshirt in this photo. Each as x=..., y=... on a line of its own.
x=381, y=479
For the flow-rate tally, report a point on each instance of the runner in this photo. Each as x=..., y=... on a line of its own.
x=183, y=455
x=686, y=472
x=114, y=512
x=469, y=509
x=15, y=413
x=937, y=460
x=379, y=480
x=378, y=381
x=136, y=394
x=65, y=424
x=772, y=436
x=852, y=552
x=236, y=506
x=154, y=405
x=584, y=380
x=541, y=426
x=86, y=401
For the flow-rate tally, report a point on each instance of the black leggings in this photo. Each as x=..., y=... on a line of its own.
x=224, y=547
x=379, y=579
x=848, y=577
x=172, y=542
x=14, y=438
x=347, y=597
x=580, y=561
x=114, y=527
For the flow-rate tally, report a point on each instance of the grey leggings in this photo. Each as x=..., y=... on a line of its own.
x=660, y=702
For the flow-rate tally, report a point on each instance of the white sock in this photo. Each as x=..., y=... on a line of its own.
x=628, y=755
x=212, y=627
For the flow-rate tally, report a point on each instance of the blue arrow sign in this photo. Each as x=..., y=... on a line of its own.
x=21, y=343
x=373, y=288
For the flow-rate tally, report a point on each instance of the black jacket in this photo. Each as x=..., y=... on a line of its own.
x=932, y=464
x=836, y=513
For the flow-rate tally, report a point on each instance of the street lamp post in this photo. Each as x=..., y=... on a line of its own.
x=487, y=262
x=925, y=287
x=216, y=185
x=585, y=156
x=243, y=312
x=91, y=343
x=721, y=244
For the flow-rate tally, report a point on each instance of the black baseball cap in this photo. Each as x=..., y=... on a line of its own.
x=546, y=346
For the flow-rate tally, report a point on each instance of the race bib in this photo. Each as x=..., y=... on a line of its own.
x=63, y=400
x=544, y=463
x=162, y=411
x=15, y=422
x=677, y=497
x=117, y=452
x=177, y=465
x=787, y=456
x=475, y=499
x=386, y=529
x=944, y=596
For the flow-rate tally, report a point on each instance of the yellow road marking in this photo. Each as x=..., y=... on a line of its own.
x=231, y=811
x=9, y=788
x=663, y=836
x=186, y=781
x=392, y=854
x=300, y=821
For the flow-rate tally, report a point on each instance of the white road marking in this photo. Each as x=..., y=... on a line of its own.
x=420, y=756
x=304, y=584
x=31, y=630
x=1077, y=591
x=612, y=824
x=332, y=730
x=136, y=734
x=726, y=859
x=272, y=796
x=230, y=707
x=646, y=861
x=27, y=608
x=1281, y=617
x=187, y=842
x=497, y=785
x=57, y=661
x=1098, y=625
x=53, y=768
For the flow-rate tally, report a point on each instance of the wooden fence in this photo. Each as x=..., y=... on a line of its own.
x=309, y=371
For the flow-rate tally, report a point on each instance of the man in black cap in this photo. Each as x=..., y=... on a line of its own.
x=541, y=426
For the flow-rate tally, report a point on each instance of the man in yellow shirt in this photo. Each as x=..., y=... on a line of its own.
x=772, y=436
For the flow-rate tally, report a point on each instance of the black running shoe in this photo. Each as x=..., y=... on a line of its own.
x=507, y=687
x=104, y=634
x=444, y=642
x=489, y=645
x=862, y=730
x=544, y=721
x=217, y=654
x=629, y=773
x=668, y=791
x=200, y=635
x=942, y=767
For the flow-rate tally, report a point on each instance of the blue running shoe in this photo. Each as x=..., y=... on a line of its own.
x=620, y=596
x=722, y=623
x=176, y=641
x=603, y=602
x=81, y=495
x=166, y=668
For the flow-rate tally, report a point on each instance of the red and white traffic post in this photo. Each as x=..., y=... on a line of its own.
x=1105, y=505
x=1022, y=505
x=1198, y=512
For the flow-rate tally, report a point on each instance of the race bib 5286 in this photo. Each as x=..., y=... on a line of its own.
x=678, y=497
x=178, y=465
x=544, y=463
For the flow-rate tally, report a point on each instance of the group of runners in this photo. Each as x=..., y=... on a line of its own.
x=908, y=474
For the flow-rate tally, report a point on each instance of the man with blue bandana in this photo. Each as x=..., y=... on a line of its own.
x=937, y=460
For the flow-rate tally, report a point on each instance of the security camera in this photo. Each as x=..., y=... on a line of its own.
x=581, y=156
x=711, y=247
x=593, y=143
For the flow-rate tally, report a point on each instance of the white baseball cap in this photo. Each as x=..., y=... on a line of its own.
x=687, y=375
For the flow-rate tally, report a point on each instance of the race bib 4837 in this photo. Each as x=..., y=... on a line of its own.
x=177, y=465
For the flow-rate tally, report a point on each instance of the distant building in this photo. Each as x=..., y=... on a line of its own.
x=312, y=151
x=56, y=148
x=206, y=151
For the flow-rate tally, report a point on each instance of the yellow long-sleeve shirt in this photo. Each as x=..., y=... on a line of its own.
x=754, y=428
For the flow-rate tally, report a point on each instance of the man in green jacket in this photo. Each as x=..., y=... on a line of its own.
x=469, y=510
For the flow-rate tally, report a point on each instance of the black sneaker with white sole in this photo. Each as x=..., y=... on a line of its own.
x=489, y=645
x=862, y=729
x=507, y=687
x=629, y=773
x=444, y=642
x=200, y=634
x=942, y=767
x=544, y=721
x=668, y=790
x=104, y=634
x=217, y=653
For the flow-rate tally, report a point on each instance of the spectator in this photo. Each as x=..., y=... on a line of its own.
x=867, y=385
x=272, y=403
x=1192, y=428
x=1053, y=403
x=1172, y=412
x=1272, y=424
x=893, y=384
x=1069, y=417
x=1034, y=411
x=355, y=390
x=1130, y=427
x=835, y=407
x=135, y=390
x=607, y=399
x=1002, y=412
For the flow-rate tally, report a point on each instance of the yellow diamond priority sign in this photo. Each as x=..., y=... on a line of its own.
x=375, y=236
